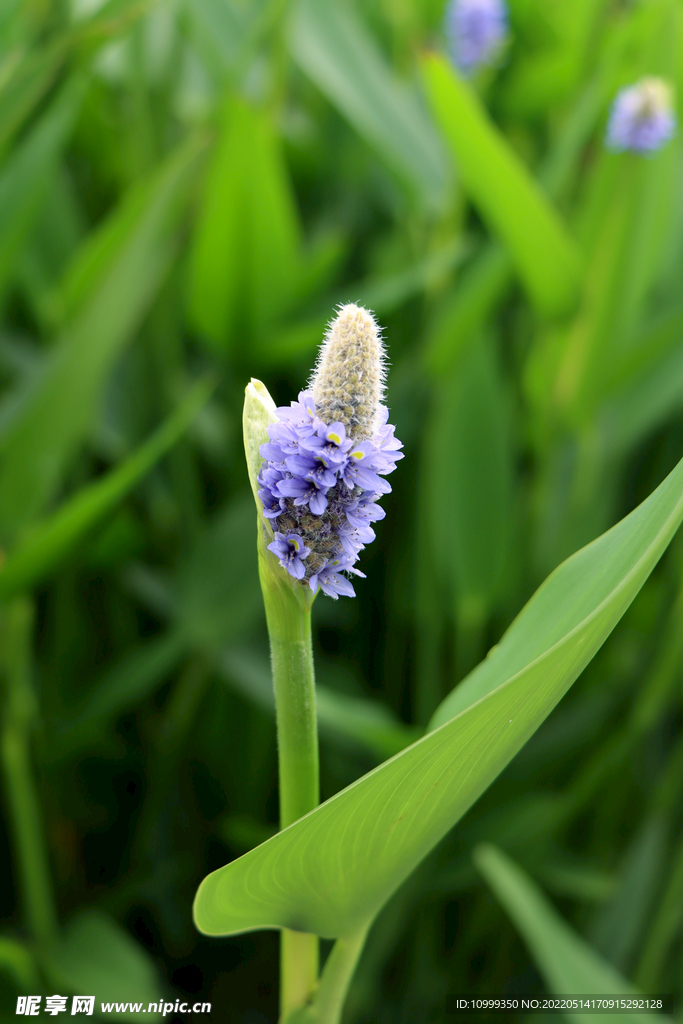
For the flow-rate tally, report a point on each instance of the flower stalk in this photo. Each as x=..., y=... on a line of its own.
x=316, y=470
x=288, y=617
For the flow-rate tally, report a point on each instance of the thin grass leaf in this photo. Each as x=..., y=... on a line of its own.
x=246, y=263
x=44, y=428
x=618, y=929
x=52, y=540
x=333, y=47
x=505, y=193
x=124, y=686
x=664, y=926
x=26, y=177
x=482, y=284
x=26, y=84
x=472, y=504
x=568, y=964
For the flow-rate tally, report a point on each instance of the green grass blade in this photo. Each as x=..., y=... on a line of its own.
x=465, y=310
x=26, y=176
x=54, y=414
x=25, y=85
x=124, y=686
x=331, y=872
x=505, y=193
x=568, y=964
x=619, y=926
x=51, y=540
x=471, y=507
x=246, y=261
x=333, y=47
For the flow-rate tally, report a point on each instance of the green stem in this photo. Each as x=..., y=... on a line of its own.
x=20, y=714
x=336, y=977
x=288, y=614
x=297, y=733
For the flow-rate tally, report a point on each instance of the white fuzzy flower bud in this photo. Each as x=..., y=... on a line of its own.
x=348, y=382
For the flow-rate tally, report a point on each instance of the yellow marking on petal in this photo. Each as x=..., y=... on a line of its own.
x=358, y=455
x=335, y=437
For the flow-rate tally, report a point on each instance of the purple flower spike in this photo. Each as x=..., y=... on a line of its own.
x=326, y=459
x=291, y=551
x=475, y=30
x=642, y=119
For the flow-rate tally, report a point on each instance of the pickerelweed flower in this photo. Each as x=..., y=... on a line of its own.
x=475, y=30
x=642, y=118
x=327, y=456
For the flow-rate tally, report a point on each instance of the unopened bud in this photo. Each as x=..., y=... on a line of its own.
x=348, y=383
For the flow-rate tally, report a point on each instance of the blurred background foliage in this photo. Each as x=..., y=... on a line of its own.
x=187, y=187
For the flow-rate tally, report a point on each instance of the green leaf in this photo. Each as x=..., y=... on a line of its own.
x=26, y=79
x=246, y=262
x=663, y=927
x=27, y=76
x=50, y=541
x=482, y=284
x=15, y=959
x=546, y=78
x=27, y=175
x=94, y=956
x=332, y=45
x=621, y=267
x=505, y=193
x=618, y=929
x=215, y=592
x=330, y=872
x=645, y=402
x=53, y=415
x=471, y=506
x=137, y=675
x=568, y=964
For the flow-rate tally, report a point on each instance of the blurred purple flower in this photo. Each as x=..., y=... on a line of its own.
x=475, y=30
x=642, y=119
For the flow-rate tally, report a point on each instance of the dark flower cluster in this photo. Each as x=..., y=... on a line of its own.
x=320, y=488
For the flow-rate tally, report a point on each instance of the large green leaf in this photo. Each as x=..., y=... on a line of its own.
x=568, y=964
x=334, y=48
x=51, y=540
x=331, y=871
x=45, y=426
x=505, y=193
